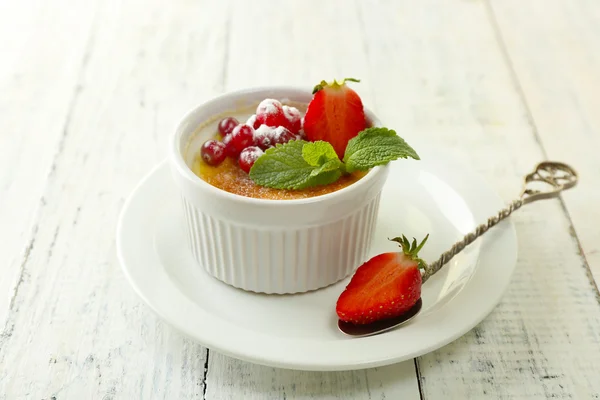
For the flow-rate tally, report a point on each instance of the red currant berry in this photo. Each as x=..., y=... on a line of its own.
x=229, y=150
x=226, y=125
x=270, y=112
x=282, y=135
x=242, y=136
x=264, y=137
x=248, y=156
x=293, y=118
x=253, y=122
x=213, y=152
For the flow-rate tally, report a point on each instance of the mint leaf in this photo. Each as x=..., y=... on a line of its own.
x=325, y=177
x=299, y=164
x=318, y=153
x=375, y=146
x=331, y=165
x=284, y=167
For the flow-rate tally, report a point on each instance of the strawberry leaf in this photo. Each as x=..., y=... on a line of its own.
x=323, y=84
x=412, y=249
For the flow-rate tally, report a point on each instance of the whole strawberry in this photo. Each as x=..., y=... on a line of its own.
x=386, y=286
x=335, y=114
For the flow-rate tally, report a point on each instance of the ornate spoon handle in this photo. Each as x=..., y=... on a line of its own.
x=553, y=176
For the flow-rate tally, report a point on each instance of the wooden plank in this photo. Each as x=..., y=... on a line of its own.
x=75, y=328
x=427, y=73
x=442, y=76
x=554, y=48
x=293, y=48
x=231, y=379
x=35, y=104
x=541, y=341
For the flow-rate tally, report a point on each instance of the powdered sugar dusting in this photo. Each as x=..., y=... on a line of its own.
x=263, y=136
x=251, y=120
x=291, y=113
x=279, y=132
x=268, y=136
x=263, y=131
x=250, y=154
x=293, y=118
x=269, y=107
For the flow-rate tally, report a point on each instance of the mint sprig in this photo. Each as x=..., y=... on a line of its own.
x=284, y=167
x=299, y=164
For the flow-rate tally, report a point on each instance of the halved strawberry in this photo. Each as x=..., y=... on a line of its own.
x=386, y=286
x=335, y=114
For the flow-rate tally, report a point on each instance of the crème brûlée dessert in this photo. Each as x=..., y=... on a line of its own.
x=283, y=150
x=281, y=186
x=225, y=163
x=231, y=178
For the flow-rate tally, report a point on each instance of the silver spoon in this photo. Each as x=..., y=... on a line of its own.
x=554, y=178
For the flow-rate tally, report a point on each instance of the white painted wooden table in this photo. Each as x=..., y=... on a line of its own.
x=89, y=92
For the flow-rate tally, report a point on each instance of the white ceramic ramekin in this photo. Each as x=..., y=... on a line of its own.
x=273, y=246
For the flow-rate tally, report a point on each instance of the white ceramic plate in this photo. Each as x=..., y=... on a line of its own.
x=434, y=196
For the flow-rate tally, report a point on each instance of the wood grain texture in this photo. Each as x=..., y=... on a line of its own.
x=106, y=81
x=452, y=81
x=35, y=106
x=541, y=341
x=75, y=328
x=556, y=61
x=231, y=379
